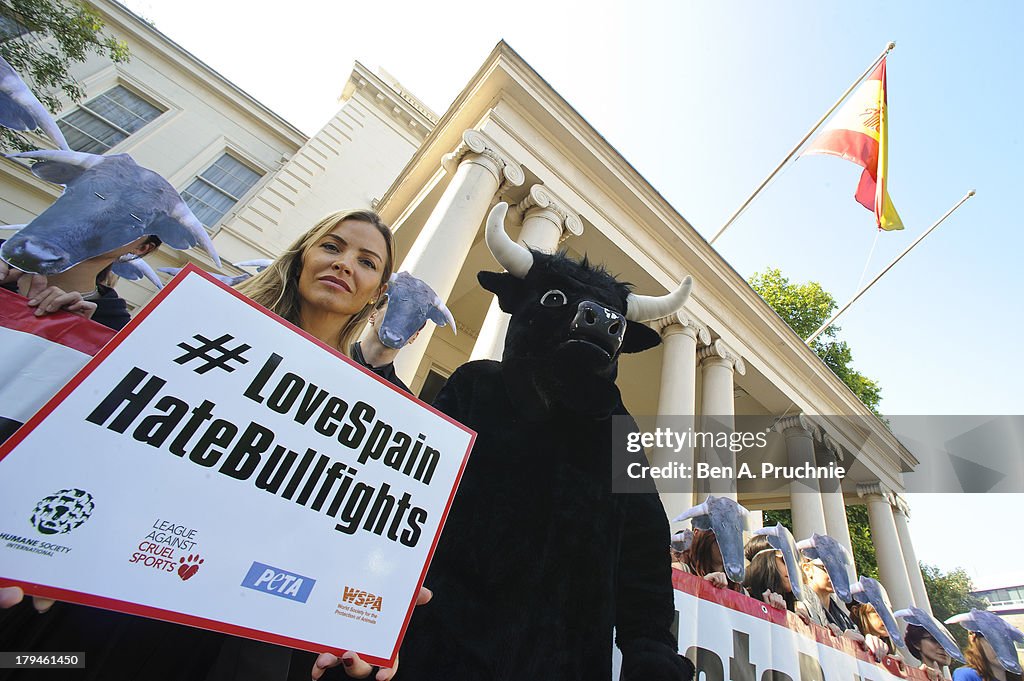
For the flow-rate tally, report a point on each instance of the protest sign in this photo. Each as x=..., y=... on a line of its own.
x=217, y=467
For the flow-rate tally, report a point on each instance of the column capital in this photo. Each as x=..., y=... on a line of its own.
x=540, y=199
x=875, y=489
x=478, y=147
x=900, y=505
x=797, y=422
x=831, y=446
x=682, y=321
x=718, y=350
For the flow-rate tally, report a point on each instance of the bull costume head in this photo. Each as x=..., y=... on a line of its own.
x=570, y=321
x=108, y=202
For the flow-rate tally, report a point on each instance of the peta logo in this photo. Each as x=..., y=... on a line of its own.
x=278, y=582
x=363, y=599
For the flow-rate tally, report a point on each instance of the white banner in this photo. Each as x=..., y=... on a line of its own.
x=215, y=467
x=731, y=637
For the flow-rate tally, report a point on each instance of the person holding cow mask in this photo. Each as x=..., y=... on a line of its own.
x=84, y=289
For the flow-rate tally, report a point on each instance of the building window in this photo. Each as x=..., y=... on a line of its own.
x=218, y=188
x=100, y=123
x=432, y=385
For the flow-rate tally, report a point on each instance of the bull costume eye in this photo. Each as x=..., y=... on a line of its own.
x=553, y=298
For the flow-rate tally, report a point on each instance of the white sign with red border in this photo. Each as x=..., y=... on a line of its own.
x=217, y=467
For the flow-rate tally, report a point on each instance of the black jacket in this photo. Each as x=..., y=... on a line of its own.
x=539, y=559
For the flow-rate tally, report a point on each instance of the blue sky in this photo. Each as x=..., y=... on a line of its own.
x=704, y=99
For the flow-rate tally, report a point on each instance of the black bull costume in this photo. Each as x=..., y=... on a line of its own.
x=539, y=559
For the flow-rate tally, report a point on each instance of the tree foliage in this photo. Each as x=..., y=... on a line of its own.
x=950, y=594
x=41, y=39
x=805, y=307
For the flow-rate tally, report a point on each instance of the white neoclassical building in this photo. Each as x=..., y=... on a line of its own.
x=256, y=182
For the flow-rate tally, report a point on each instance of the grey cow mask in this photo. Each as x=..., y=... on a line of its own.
x=109, y=202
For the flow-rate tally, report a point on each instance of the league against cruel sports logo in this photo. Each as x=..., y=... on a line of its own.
x=62, y=511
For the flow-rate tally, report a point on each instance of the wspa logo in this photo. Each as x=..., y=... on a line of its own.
x=62, y=511
x=363, y=599
x=278, y=582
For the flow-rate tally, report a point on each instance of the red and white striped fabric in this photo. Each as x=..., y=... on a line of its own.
x=40, y=355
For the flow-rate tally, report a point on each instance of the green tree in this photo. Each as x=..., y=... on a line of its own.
x=41, y=39
x=860, y=536
x=950, y=594
x=805, y=307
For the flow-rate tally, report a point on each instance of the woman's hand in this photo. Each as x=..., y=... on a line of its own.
x=12, y=595
x=47, y=299
x=9, y=274
x=354, y=665
x=876, y=647
x=773, y=599
x=718, y=579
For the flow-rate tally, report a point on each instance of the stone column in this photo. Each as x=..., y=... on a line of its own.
x=718, y=363
x=680, y=333
x=804, y=495
x=832, y=501
x=901, y=514
x=479, y=168
x=546, y=218
x=891, y=566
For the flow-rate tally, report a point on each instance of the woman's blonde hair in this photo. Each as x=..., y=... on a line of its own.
x=277, y=287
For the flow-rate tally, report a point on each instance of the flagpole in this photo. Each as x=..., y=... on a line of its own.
x=887, y=50
x=887, y=268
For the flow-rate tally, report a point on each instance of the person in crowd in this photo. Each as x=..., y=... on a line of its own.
x=704, y=559
x=716, y=551
x=980, y=654
x=924, y=647
x=767, y=577
x=870, y=624
x=817, y=578
x=679, y=550
x=819, y=581
x=84, y=289
x=326, y=283
x=982, y=662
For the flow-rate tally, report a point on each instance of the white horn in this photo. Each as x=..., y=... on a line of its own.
x=447, y=313
x=183, y=214
x=958, y=619
x=698, y=510
x=856, y=588
x=646, y=308
x=805, y=544
x=78, y=159
x=510, y=255
x=905, y=613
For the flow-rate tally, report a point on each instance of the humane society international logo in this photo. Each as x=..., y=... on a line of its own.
x=277, y=582
x=62, y=511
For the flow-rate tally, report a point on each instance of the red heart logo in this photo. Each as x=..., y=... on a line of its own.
x=189, y=567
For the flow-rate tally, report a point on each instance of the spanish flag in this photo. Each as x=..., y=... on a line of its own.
x=859, y=132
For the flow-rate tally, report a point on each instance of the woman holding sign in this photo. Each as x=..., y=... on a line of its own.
x=326, y=283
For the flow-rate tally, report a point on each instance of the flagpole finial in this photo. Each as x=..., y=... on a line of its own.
x=970, y=193
x=891, y=46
